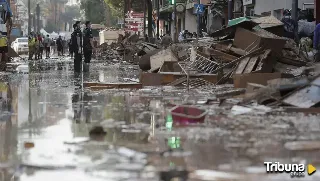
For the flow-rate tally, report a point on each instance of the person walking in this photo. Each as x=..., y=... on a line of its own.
x=70, y=48
x=52, y=46
x=65, y=46
x=41, y=46
x=3, y=51
x=88, y=45
x=36, y=49
x=31, y=45
x=59, y=44
x=47, y=44
x=76, y=41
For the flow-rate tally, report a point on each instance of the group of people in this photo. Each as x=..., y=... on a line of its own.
x=38, y=44
x=81, y=43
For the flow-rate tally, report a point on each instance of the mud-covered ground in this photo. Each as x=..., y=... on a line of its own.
x=46, y=117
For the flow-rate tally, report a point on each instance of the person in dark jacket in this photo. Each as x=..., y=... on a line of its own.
x=70, y=48
x=87, y=42
x=59, y=46
x=76, y=41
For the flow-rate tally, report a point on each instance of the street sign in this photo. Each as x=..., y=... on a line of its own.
x=137, y=15
x=199, y=8
x=137, y=20
x=134, y=25
x=134, y=21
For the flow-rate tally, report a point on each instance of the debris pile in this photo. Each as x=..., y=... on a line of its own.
x=249, y=54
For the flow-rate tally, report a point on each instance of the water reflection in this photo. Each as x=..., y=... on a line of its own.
x=81, y=105
x=8, y=130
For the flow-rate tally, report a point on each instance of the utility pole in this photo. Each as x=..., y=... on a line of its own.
x=29, y=18
x=198, y=21
x=30, y=103
x=34, y=22
x=230, y=9
x=38, y=17
x=158, y=13
x=175, y=33
x=294, y=15
x=144, y=17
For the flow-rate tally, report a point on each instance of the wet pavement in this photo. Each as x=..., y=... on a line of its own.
x=46, y=117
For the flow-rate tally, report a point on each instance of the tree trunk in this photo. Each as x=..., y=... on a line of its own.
x=149, y=5
x=106, y=13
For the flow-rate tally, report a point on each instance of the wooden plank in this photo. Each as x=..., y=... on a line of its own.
x=251, y=64
x=306, y=111
x=90, y=84
x=230, y=49
x=113, y=85
x=253, y=53
x=242, y=65
x=241, y=80
x=221, y=55
x=154, y=79
x=261, y=63
x=97, y=88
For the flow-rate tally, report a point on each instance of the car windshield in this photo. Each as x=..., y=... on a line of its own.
x=22, y=40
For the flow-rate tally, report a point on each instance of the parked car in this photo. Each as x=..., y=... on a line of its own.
x=20, y=45
x=22, y=69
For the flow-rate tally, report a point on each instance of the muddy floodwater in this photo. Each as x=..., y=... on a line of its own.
x=46, y=116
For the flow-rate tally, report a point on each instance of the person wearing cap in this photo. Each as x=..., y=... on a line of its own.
x=31, y=45
x=46, y=43
x=76, y=44
x=3, y=50
x=87, y=42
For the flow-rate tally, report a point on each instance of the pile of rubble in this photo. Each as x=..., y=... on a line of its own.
x=127, y=48
x=251, y=54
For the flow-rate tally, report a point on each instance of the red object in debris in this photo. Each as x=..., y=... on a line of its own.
x=185, y=115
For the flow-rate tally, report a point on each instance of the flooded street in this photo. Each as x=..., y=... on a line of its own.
x=46, y=117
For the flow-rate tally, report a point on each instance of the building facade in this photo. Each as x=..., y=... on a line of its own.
x=186, y=18
x=212, y=20
x=273, y=7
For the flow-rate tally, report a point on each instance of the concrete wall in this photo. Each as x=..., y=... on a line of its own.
x=271, y=5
